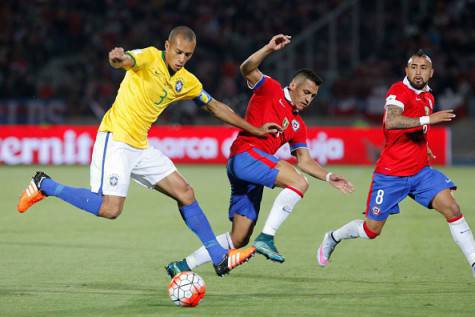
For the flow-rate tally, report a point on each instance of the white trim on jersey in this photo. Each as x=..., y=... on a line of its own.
x=250, y=86
x=392, y=101
x=417, y=91
x=287, y=95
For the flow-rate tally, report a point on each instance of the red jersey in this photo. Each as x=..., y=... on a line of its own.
x=405, y=150
x=270, y=103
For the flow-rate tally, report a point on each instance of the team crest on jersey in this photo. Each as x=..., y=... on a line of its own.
x=114, y=180
x=179, y=85
x=376, y=211
x=295, y=125
x=285, y=123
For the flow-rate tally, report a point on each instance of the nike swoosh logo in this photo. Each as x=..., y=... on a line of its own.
x=287, y=209
x=448, y=180
x=281, y=102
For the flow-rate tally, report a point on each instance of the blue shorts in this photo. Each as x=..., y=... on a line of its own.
x=248, y=173
x=386, y=192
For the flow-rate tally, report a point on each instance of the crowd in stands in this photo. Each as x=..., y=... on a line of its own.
x=57, y=50
x=445, y=29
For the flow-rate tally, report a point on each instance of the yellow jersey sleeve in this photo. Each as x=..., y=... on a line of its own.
x=142, y=57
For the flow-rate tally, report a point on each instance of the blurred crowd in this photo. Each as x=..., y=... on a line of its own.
x=57, y=50
x=444, y=29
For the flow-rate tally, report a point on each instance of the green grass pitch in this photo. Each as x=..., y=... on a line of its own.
x=58, y=261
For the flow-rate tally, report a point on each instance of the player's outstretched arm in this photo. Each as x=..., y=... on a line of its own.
x=249, y=68
x=119, y=59
x=226, y=114
x=309, y=166
x=395, y=120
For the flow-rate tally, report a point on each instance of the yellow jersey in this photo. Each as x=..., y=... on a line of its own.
x=146, y=90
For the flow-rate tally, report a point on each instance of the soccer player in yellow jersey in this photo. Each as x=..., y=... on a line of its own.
x=154, y=79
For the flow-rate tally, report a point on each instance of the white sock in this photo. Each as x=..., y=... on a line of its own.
x=283, y=205
x=351, y=230
x=463, y=236
x=201, y=256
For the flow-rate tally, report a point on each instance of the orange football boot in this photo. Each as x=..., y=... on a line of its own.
x=32, y=193
x=234, y=258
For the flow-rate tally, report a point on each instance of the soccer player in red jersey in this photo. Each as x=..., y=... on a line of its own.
x=252, y=165
x=403, y=168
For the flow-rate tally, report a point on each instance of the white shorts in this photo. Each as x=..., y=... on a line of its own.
x=114, y=163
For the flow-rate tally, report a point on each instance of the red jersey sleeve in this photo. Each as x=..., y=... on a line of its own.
x=396, y=96
x=299, y=139
x=265, y=85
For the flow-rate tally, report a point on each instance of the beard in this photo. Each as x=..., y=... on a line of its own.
x=417, y=86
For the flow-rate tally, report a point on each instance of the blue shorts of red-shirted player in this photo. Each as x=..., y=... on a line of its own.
x=248, y=173
x=386, y=192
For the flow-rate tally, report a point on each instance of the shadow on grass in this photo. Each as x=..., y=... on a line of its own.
x=314, y=279
x=112, y=289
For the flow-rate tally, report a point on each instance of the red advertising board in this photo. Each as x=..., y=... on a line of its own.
x=198, y=144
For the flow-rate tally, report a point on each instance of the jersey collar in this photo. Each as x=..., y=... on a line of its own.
x=289, y=100
x=287, y=95
x=417, y=91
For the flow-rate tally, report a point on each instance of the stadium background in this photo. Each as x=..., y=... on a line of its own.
x=54, y=67
x=54, y=74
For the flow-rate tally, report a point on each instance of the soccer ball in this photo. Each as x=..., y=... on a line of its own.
x=187, y=289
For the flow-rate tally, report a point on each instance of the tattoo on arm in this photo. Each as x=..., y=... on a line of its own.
x=395, y=120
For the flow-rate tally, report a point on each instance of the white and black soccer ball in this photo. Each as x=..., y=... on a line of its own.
x=187, y=289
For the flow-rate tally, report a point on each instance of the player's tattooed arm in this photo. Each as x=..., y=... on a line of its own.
x=395, y=120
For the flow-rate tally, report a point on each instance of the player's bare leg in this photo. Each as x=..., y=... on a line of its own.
x=241, y=231
x=368, y=229
x=445, y=203
x=224, y=260
x=294, y=186
x=111, y=206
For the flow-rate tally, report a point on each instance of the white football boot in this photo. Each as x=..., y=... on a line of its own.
x=326, y=249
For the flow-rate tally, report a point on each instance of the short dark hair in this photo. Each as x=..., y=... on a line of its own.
x=421, y=53
x=184, y=31
x=308, y=74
